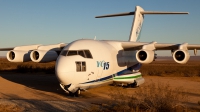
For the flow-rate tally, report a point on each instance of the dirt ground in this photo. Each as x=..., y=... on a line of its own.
x=38, y=92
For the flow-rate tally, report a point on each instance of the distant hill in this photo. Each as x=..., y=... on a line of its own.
x=161, y=58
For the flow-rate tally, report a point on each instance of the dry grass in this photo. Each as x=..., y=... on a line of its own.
x=10, y=108
x=157, y=68
x=152, y=98
x=170, y=68
x=31, y=67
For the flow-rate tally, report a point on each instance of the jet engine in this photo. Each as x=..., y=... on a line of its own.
x=145, y=56
x=43, y=56
x=18, y=56
x=181, y=56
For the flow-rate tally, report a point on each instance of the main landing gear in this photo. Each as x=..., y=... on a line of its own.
x=125, y=85
x=132, y=85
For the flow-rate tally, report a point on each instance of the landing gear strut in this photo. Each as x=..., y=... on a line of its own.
x=65, y=88
x=77, y=93
x=133, y=85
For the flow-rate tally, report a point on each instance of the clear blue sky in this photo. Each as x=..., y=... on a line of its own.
x=24, y=22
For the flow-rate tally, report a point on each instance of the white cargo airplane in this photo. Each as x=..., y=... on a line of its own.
x=84, y=63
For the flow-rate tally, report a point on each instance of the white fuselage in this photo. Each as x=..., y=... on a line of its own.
x=108, y=59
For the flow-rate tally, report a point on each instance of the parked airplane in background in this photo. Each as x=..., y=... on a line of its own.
x=84, y=63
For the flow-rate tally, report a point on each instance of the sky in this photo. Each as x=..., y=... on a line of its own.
x=25, y=22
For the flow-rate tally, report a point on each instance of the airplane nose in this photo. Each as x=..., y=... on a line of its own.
x=65, y=70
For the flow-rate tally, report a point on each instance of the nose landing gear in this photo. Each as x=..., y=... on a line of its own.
x=71, y=89
x=77, y=93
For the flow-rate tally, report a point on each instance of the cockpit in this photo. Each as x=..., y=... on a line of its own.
x=80, y=65
x=83, y=53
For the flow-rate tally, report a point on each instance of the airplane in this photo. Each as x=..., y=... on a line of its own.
x=88, y=63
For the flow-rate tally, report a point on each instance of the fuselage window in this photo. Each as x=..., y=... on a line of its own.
x=83, y=66
x=80, y=66
x=81, y=53
x=64, y=52
x=88, y=54
x=70, y=53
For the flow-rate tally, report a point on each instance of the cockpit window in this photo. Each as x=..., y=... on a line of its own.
x=88, y=54
x=70, y=53
x=64, y=52
x=83, y=53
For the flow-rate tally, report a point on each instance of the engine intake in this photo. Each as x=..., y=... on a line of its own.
x=145, y=56
x=18, y=56
x=43, y=56
x=181, y=56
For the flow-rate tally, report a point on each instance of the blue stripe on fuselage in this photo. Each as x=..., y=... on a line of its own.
x=134, y=67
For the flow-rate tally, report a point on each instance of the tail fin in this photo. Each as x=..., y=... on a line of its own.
x=138, y=20
x=137, y=24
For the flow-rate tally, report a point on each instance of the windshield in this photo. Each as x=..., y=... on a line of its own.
x=83, y=53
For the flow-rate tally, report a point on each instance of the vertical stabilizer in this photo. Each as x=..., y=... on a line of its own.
x=138, y=20
x=137, y=24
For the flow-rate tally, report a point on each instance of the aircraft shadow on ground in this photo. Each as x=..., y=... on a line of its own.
x=43, y=82
x=48, y=83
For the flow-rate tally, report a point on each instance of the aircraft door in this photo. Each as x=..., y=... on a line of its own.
x=91, y=70
x=100, y=72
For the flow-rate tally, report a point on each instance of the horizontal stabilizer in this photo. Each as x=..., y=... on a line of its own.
x=155, y=12
x=138, y=20
x=119, y=14
x=6, y=49
x=142, y=12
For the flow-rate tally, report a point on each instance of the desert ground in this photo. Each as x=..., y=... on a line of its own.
x=40, y=91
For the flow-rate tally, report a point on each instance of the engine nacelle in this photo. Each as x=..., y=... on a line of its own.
x=181, y=56
x=43, y=56
x=145, y=56
x=18, y=56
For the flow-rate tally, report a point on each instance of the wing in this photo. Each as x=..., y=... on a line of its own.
x=35, y=53
x=158, y=46
x=146, y=54
x=6, y=49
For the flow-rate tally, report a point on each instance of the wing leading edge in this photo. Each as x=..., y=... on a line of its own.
x=6, y=49
x=158, y=46
x=35, y=53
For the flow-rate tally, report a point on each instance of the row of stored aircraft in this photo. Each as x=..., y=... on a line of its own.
x=88, y=63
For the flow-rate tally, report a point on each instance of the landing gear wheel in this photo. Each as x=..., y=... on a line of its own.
x=133, y=85
x=71, y=94
x=77, y=93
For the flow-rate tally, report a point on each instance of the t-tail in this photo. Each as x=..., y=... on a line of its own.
x=138, y=20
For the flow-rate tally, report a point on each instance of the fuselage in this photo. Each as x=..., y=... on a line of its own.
x=90, y=63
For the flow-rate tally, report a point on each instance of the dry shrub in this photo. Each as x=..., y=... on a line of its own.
x=152, y=98
x=199, y=102
x=30, y=67
x=10, y=108
x=160, y=97
x=190, y=69
x=35, y=69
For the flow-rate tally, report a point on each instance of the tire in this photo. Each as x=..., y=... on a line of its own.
x=134, y=84
x=77, y=93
